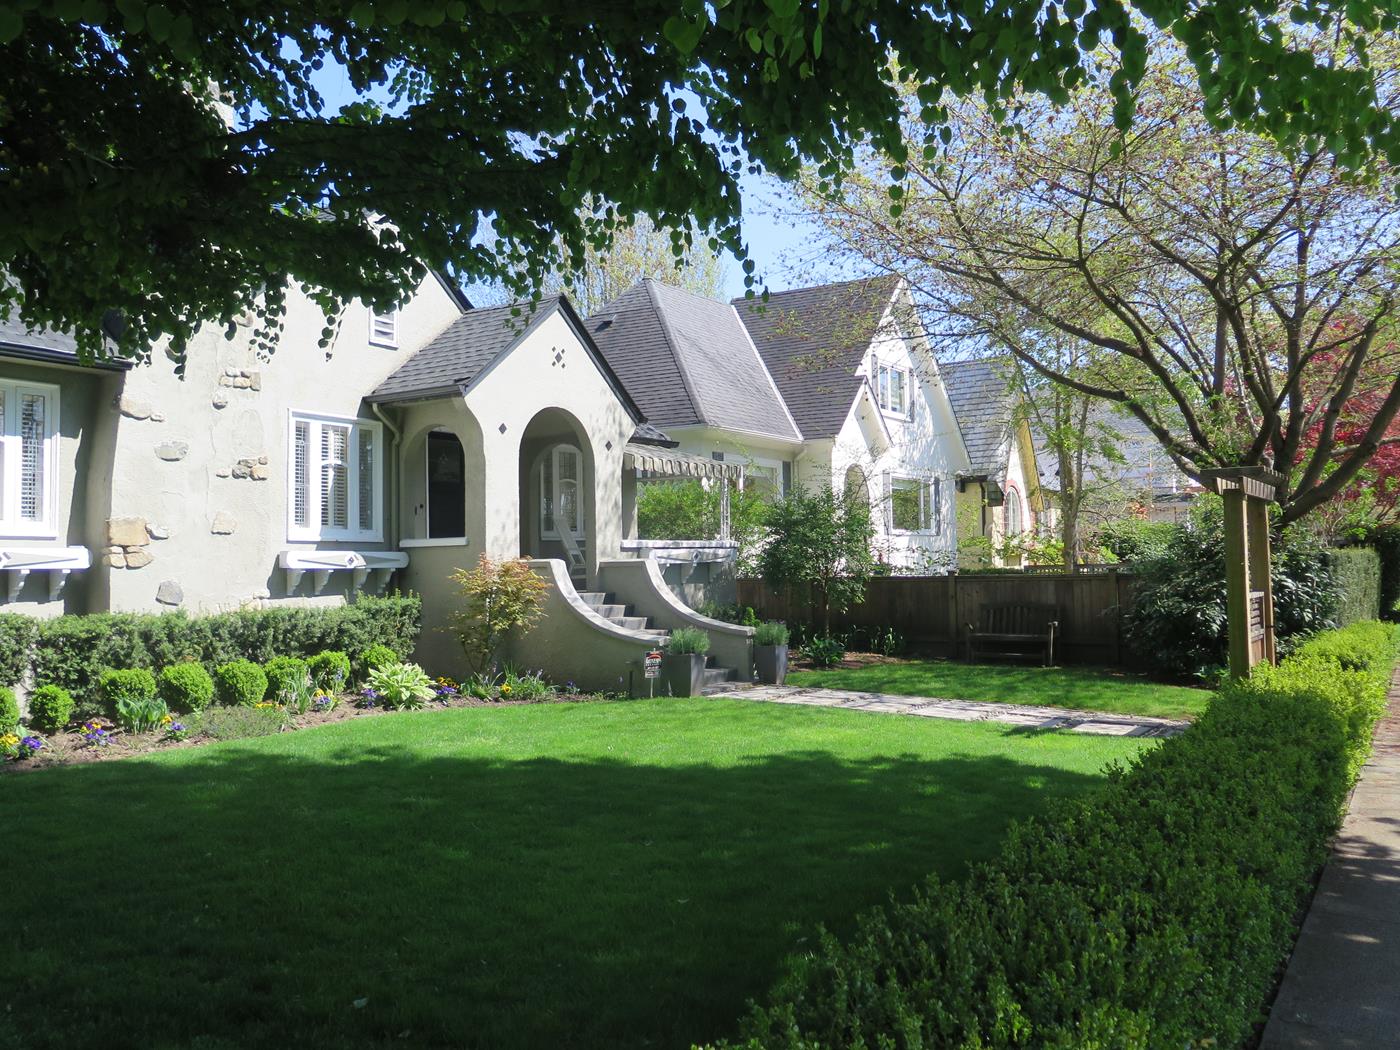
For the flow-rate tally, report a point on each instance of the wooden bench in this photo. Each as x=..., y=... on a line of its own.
x=1014, y=629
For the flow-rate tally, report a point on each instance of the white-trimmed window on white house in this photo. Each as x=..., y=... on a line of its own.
x=892, y=388
x=336, y=490
x=1015, y=523
x=28, y=458
x=384, y=328
x=916, y=505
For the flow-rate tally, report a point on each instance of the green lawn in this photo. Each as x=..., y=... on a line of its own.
x=1081, y=688
x=597, y=875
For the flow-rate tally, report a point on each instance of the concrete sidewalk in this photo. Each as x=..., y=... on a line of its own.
x=1342, y=986
x=963, y=710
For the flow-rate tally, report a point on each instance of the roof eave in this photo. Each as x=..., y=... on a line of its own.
x=44, y=355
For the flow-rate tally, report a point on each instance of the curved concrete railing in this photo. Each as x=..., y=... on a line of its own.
x=637, y=582
x=573, y=643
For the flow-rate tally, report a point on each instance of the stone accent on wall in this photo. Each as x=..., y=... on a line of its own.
x=253, y=467
x=173, y=451
x=220, y=401
x=138, y=558
x=126, y=532
x=157, y=532
x=222, y=472
x=241, y=378
x=134, y=409
x=170, y=593
x=223, y=524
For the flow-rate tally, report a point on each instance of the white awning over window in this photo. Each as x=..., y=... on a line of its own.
x=670, y=463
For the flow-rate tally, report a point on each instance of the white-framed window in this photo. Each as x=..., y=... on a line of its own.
x=334, y=479
x=384, y=328
x=914, y=505
x=1014, y=519
x=892, y=389
x=28, y=458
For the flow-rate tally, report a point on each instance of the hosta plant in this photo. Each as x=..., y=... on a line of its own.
x=401, y=685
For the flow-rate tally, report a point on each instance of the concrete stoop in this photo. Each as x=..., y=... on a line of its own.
x=607, y=606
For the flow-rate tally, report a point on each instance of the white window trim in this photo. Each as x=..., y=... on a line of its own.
x=391, y=342
x=927, y=511
x=437, y=541
x=554, y=533
x=881, y=373
x=314, y=531
x=775, y=465
x=17, y=527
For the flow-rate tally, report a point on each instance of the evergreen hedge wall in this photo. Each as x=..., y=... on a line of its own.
x=1356, y=576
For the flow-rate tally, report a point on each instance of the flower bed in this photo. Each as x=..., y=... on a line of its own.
x=98, y=739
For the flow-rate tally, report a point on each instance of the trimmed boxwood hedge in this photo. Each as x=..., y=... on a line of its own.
x=1155, y=913
x=73, y=651
x=16, y=644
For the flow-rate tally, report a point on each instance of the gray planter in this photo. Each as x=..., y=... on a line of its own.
x=682, y=674
x=770, y=662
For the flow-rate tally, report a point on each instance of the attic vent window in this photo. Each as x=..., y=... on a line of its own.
x=383, y=328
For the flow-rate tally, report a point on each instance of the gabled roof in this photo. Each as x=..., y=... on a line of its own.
x=984, y=398
x=463, y=351
x=813, y=340
x=688, y=360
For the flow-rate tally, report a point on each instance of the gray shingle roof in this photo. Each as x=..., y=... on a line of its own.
x=460, y=352
x=813, y=340
x=47, y=345
x=984, y=403
x=688, y=360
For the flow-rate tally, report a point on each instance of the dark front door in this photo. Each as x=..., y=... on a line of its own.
x=447, y=486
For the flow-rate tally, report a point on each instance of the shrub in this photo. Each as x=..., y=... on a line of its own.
x=9, y=710
x=284, y=673
x=824, y=651
x=1177, y=621
x=186, y=687
x=376, y=656
x=499, y=598
x=17, y=635
x=1134, y=540
x=1356, y=575
x=72, y=651
x=1154, y=913
x=771, y=633
x=685, y=640
x=401, y=685
x=1385, y=540
x=330, y=670
x=140, y=714
x=240, y=683
x=133, y=684
x=50, y=708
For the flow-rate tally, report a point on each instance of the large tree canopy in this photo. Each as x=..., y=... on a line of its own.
x=479, y=129
x=1237, y=296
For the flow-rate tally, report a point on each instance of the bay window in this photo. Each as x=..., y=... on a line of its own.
x=335, y=486
x=28, y=458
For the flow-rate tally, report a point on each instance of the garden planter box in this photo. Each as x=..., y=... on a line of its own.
x=683, y=674
x=770, y=662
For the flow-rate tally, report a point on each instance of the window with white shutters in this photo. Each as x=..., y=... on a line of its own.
x=28, y=458
x=334, y=479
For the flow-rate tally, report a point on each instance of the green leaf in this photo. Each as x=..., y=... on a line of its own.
x=685, y=35
x=11, y=24
x=817, y=42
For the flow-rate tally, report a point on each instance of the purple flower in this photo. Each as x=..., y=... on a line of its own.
x=31, y=743
x=177, y=727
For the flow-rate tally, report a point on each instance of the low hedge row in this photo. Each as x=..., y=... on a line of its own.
x=73, y=651
x=1155, y=913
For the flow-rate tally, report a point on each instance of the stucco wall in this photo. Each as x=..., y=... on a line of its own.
x=201, y=463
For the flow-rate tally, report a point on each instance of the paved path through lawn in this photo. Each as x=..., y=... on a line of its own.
x=964, y=710
x=1342, y=986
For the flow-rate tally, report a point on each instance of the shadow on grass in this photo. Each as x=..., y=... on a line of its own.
x=256, y=899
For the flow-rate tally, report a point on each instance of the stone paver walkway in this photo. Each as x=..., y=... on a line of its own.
x=964, y=710
x=1342, y=986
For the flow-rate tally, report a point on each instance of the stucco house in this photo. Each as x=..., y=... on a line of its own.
x=999, y=496
x=828, y=385
x=413, y=443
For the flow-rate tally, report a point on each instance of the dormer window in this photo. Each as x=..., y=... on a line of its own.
x=383, y=328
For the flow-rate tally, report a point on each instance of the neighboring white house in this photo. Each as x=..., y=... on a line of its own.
x=829, y=385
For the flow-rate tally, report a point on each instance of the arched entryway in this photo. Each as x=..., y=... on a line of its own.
x=557, y=501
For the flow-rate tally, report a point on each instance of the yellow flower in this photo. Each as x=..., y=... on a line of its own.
x=9, y=740
x=505, y=690
x=166, y=720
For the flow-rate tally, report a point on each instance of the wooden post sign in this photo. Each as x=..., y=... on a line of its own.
x=1249, y=595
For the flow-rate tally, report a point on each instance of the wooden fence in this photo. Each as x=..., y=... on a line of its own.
x=932, y=612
